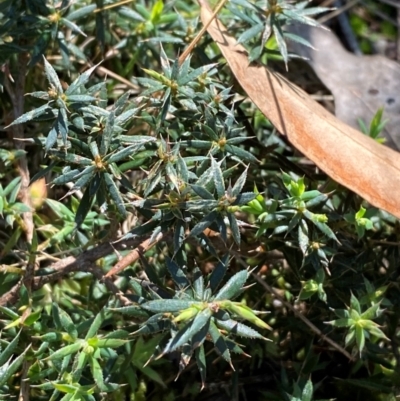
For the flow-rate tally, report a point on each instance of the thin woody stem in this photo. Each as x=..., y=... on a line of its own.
x=134, y=255
x=17, y=96
x=194, y=42
x=84, y=262
x=109, y=6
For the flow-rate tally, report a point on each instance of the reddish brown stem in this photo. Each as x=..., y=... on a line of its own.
x=133, y=256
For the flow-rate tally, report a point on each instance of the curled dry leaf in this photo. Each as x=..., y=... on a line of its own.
x=345, y=154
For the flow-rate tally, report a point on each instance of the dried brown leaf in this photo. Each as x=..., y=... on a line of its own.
x=349, y=157
x=360, y=84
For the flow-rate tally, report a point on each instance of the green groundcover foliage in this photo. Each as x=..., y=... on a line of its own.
x=159, y=240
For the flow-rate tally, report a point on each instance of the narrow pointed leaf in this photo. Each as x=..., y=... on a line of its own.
x=8, y=351
x=198, y=283
x=234, y=227
x=7, y=370
x=177, y=273
x=360, y=338
x=237, y=188
x=30, y=115
x=201, y=364
x=97, y=372
x=115, y=194
x=107, y=134
x=96, y=324
x=67, y=177
x=233, y=287
x=183, y=336
x=242, y=154
x=202, y=192
x=203, y=224
x=220, y=343
x=218, y=178
x=307, y=391
x=239, y=329
x=168, y=305
x=81, y=12
x=83, y=208
x=355, y=304
x=218, y=273
x=65, y=351
x=52, y=76
x=123, y=153
x=68, y=324
x=179, y=235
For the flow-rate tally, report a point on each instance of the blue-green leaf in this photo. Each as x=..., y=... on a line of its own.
x=239, y=329
x=184, y=335
x=218, y=273
x=168, y=305
x=233, y=287
x=52, y=76
x=203, y=224
x=218, y=178
x=30, y=115
x=220, y=343
x=177, y=273
x=8, y=351
x=115, y=194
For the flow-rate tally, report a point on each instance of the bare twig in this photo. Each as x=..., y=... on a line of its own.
x=98, y=273
x=84, y=262
x=11, y=296
x=109, y=6
x=105, y=71
x=327, y=3
x=299, y=315
x=194, y=42
x=25, y=383
x=133, y=256
x=17, y=93
x=338, y=11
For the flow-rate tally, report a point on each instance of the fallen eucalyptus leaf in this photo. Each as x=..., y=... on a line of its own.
x=345, y=154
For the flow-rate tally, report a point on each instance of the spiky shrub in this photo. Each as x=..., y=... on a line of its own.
x=162, y=175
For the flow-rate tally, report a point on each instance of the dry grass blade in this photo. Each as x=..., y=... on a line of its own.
x=349, y=157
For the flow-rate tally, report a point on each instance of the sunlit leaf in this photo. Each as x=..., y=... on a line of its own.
x=233, y=287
